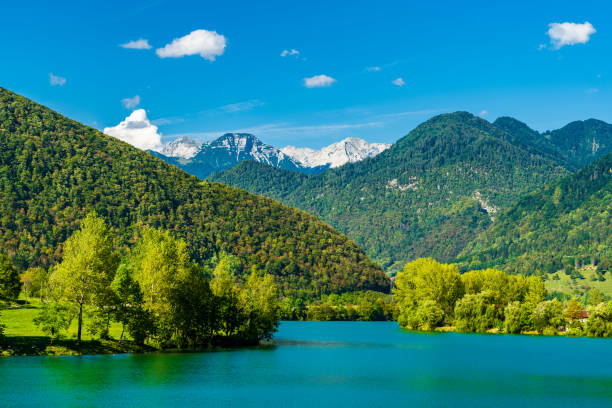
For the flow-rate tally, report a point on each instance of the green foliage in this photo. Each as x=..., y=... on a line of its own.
x=477, y=312
x=548, y=315
x=427, y=280
x=53, y=171
x=562, y=226
x=129, y=305
x=516, y=315
x=599, y=323
x=88, y=266
x=10, y=284
x=54, y=318
x=428, y=195
x=2, y=327
x=361, y=305
x=595, y=297
x=430, y=294
x=260, y=307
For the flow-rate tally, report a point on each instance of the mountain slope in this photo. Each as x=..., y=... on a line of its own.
x=562, y=225
x=427, y=195
x=575, y=145
x=54, y=170
x=582, y=142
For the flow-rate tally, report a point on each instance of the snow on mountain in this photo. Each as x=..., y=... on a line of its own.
x=203, y=159
x=245, y=146
x=183, y=148
x=349, y=150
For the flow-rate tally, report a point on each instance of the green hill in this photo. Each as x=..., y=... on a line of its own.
x=429, y=194
x=54, y=170
x=565, y=225
x=575, y=145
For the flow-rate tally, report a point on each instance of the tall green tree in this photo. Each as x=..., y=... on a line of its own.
x=261, y=306
x=129, y=308
x=88, y=265
x=161, y=265
x=10, y=284
x=427, y=279
x=224, y=286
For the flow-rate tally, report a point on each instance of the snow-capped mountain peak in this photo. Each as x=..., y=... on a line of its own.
x=184, y=148
x=246, y=146
x=349, y=150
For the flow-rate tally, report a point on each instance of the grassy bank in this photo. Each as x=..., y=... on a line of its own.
x=22, y=337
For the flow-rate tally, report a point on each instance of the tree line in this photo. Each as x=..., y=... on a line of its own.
x=153, y=288
x=431, y=295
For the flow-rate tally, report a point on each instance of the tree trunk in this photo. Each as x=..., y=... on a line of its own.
x=80, y=321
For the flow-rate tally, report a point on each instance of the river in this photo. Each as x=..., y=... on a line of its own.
x=329, y=364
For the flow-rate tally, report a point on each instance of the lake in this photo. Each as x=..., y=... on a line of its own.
x=329, y=364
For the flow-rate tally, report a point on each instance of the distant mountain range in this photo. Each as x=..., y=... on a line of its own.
x=349, y=150
x=203, y=159
x=437, y=189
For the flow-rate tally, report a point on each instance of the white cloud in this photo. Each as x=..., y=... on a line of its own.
x=56, y=80
x=292, y=51
x=373, y=69
x=138, y=131
x=483, y=112
x=140, y=44
x=398, y=82
x=131, y=103
x=241, y=106
x=569, y=33
x=319, y=81
x=207, y=44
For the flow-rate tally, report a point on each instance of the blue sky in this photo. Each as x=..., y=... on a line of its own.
x=478, y=56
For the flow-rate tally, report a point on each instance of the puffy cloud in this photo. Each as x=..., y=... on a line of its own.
x=140, y=44
x=56, y=80
x=207, y=44
x=569, y=33
x=138, y=131
x=131, y=103
x=398, y=82
x=319, y=81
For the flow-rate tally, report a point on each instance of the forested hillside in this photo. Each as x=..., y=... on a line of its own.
x=574, y=145
x=429, y=194
x=564, y=225
x=53, y=171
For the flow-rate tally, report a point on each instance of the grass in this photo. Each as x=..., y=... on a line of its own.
x=579, y=287
x=19, y=322
x=23, y=337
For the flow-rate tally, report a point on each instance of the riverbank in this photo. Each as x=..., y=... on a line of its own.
x=43, y=346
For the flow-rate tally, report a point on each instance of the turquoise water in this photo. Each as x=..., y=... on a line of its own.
x=329, y=364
